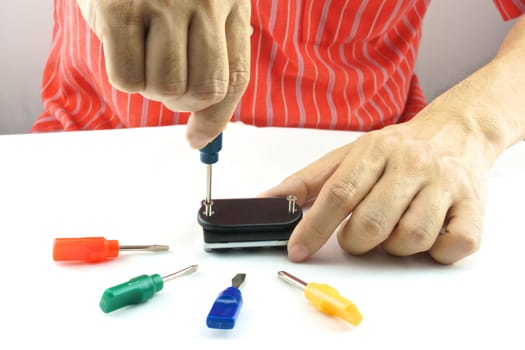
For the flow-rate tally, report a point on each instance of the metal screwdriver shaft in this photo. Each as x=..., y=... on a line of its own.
x=292, y=280
x=208, y=202
x=146, y=248
x=187, y=271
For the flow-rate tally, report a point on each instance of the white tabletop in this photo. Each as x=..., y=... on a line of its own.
x=144, y=186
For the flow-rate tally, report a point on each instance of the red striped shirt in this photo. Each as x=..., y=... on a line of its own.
x=332, y=64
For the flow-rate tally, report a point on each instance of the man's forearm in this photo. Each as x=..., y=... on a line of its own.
x=511, y=61
x=492, y=99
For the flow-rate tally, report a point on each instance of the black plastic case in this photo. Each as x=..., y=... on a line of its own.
x=249, y=222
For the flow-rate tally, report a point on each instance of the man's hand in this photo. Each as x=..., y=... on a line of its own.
x=413, y=187
x=190, y=55
x=418, y=186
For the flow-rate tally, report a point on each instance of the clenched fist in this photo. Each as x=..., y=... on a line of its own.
x=190, y=55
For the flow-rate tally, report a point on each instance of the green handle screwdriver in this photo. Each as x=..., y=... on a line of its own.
x=138, y=289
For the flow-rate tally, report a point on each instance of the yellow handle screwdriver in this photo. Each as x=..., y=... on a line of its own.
x=326, y=299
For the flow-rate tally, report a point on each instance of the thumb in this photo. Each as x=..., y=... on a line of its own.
x=203, y=127
x=306, y=183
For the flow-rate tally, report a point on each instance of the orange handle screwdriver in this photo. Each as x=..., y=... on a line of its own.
x=326, y=299
x=94, y=249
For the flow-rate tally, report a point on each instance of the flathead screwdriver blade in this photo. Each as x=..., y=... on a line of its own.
x=208, y=203
x=238, y=280
x=187, y=271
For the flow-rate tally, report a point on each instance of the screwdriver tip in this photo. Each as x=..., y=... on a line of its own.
x=291, y=279
x=185, y=271
x=188, y=270
x=159, y=247
x=238, y=280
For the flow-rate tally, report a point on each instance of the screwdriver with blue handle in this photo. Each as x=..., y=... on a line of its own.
x=227, y=305
x=209, y=155
x=138, y=289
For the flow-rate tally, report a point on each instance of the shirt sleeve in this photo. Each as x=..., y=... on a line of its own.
x=510, y=9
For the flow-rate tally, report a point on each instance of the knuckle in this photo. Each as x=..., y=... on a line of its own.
x=350, y=248
x=206, y=5
x=419, y=238
x=342, y=191
x=211, y=91
x=462, y=243
x=127, y=82
x=467, y=246
x=373, y=225
x=123, y=13
x=470, y=243
x=238, y=82
x=354, y=240
x=417, y=161
x=316, y=231
x=167, y=90
x=378, y=142
x=174, y=88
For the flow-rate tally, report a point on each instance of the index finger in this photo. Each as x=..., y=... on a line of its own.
x=341, y=193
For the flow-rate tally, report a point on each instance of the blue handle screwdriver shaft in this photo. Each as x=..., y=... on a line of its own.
x=209, y=155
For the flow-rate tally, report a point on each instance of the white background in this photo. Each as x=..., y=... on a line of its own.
x=144, y=186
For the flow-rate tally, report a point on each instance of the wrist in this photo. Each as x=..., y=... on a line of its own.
x=484, y=107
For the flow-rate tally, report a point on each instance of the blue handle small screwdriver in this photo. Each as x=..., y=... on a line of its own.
x=227, y=306
x=209, y=155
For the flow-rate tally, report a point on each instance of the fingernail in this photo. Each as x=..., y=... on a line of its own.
x=298, y=252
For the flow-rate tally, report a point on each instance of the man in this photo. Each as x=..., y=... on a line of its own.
x=414, y=183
